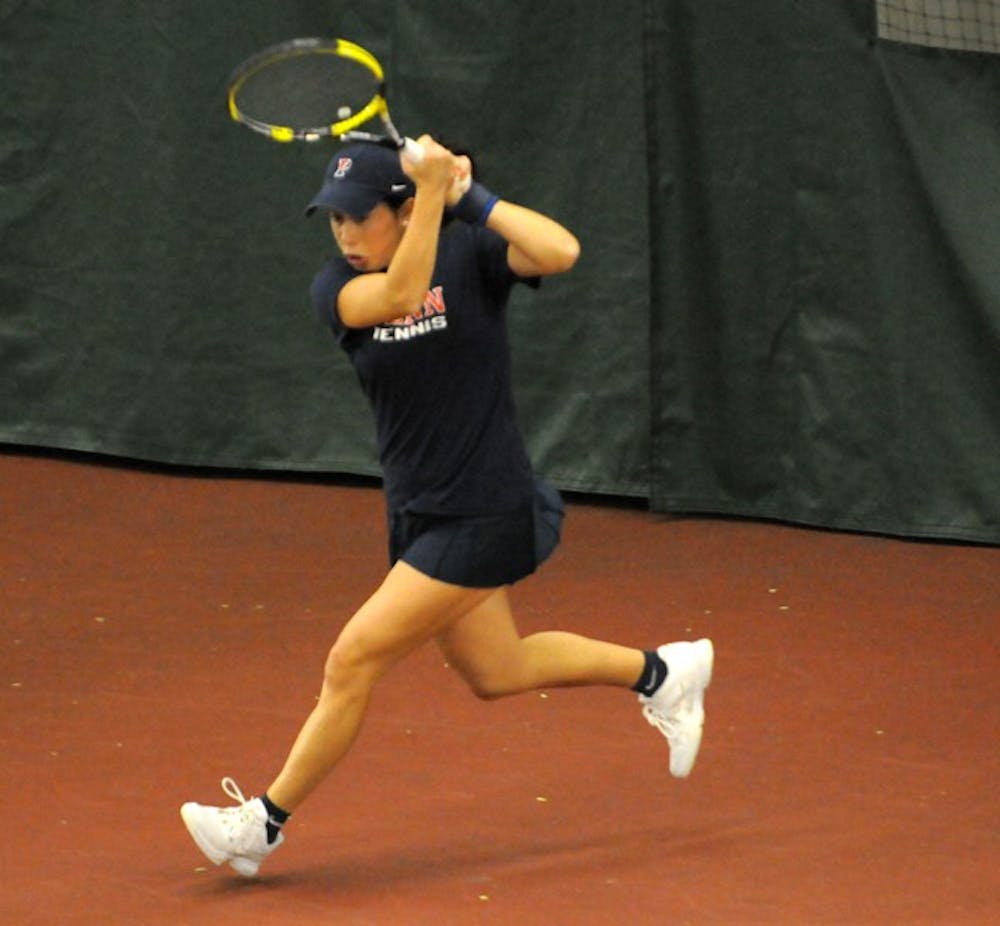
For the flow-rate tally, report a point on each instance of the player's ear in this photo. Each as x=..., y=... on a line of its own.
x=405, y=211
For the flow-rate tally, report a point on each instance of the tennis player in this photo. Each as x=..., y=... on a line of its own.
x=417, y=298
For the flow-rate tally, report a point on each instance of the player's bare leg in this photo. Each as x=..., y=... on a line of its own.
x=485, y=648
x=407, y=610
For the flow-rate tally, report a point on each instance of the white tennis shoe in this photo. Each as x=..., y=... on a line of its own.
x=677, y=708
x=237, y=835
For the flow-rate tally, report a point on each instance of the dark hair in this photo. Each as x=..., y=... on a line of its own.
x=395, y=203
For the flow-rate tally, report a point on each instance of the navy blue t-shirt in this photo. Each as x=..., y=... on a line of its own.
x=439, y=382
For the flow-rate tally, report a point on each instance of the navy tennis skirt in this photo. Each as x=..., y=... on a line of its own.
x=483, y=551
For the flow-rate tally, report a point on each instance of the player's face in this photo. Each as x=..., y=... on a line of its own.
x=368, y=243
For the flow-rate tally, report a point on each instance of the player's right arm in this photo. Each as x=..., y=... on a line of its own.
x=382, y=295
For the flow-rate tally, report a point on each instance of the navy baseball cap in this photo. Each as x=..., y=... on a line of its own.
x=359, y=177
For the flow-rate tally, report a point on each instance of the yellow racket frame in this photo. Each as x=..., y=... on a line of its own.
x=376, y=107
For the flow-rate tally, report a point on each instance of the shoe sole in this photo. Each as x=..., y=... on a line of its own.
x=244, y=866
x=705, y=676
x=697, y=702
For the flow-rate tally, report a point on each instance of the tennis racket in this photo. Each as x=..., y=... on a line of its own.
x=307, y=89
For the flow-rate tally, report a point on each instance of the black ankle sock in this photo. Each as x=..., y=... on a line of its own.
x=275, y=818
x=654, y=673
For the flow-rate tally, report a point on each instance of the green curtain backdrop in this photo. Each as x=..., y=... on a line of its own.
x=827, y=287
x=788, y=304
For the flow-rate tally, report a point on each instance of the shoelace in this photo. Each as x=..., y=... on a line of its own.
x=238, y=821
x=233, y=790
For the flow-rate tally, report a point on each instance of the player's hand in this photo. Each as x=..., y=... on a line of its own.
x=461, y=179
x=436, y=171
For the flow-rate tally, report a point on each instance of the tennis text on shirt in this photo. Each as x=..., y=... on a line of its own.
x=430, y=317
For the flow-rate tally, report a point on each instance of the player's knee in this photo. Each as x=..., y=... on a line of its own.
x=489, y=686
x=349, y=664
x=485, y=691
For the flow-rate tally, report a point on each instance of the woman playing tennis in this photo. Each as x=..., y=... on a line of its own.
x=419, y=305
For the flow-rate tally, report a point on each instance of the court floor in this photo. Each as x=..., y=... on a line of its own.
x=159, y=630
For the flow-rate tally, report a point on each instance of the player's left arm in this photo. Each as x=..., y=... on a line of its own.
x=537, y=244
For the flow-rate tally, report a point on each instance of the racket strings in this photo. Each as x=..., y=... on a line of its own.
x=305, y=90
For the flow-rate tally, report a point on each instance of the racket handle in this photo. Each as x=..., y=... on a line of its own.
x=413, y=151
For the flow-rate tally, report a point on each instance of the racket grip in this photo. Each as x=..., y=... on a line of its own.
x=413, y=151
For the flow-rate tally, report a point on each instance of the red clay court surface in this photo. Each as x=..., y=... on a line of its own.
x=161, y=630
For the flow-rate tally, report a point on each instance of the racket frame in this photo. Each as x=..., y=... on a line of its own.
x=376, y=107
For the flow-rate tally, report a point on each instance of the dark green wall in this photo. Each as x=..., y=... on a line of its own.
x=788, y=305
